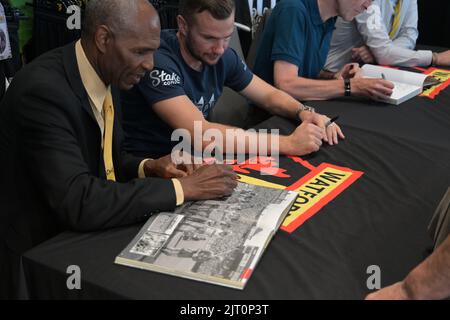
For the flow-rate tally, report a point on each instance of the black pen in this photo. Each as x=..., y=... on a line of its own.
x=331, y=121
x=383, y=76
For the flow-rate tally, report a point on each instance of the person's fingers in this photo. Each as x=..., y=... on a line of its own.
x=318, y=131
x=187, y=167
x=197, y=165
x=232, y=182
x=380, y=95
x=196, y=162
x=323, y=123
x=386, y=88
x=357, y=53
x=355, y=69
x=329, y=135
x=365, y=55
x=325, y=136
x=173, y=172
x=335, y=134
x=227, y=170
x=369, y=58
x=356, y=66
x=308, y=119
x=319, y=121
x=347, y=67
x=340, y=133
x=333, y=131
x=388, y=84
x=317, y=141
x=380, y=89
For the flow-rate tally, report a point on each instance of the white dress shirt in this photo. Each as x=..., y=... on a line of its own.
x=372, y=28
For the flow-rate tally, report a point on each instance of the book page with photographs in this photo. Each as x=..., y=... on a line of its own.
x=216, y=241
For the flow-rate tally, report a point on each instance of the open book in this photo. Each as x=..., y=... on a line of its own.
x=407, y=84
x=215, y=241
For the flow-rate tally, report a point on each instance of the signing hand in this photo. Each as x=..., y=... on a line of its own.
x=330, y=134
x=376, y=89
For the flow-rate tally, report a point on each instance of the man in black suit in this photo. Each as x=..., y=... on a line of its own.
x=61, y=163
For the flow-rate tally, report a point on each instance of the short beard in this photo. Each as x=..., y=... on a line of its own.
x=192, y=51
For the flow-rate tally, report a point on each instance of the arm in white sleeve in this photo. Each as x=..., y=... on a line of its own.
x=375, y=34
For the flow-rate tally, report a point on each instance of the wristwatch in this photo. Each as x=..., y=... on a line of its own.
x=304, y=107
x=434, y=58
x=348, y=89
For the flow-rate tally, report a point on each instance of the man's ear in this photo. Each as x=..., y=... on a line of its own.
x=102, y=38
x=182, y=25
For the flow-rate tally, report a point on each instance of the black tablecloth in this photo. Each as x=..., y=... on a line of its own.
x=381, y=219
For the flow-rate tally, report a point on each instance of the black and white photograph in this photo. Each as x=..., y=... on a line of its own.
x=221, y=247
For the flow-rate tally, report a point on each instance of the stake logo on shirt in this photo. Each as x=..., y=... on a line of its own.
x=162, y=77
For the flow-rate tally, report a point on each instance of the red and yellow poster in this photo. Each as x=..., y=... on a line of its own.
x=316, y=186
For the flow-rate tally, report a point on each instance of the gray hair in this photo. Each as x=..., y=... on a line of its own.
x=116, y=14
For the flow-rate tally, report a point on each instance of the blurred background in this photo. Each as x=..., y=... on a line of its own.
x=37, y=26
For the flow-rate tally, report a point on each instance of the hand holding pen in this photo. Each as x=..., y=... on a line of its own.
x=331, y=121
x=332, y=131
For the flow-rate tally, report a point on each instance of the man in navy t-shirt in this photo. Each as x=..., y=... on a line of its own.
x=191, y=69
x=294, y=49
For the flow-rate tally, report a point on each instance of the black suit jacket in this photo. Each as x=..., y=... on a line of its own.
x=52, y=175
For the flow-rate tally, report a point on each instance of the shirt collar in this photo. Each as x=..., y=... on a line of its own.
x=313, y=7
x=94, y=86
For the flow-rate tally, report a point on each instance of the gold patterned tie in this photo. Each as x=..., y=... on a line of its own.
x=108, y=115
x=396, y=20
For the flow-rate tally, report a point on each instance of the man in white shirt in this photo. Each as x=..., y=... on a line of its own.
x=385, y=34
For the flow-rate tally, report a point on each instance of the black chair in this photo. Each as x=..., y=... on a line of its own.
x=255, y=114
x=433, y=21
x=251, y=57
x=168, y=17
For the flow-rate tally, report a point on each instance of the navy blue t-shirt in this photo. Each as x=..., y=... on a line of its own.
x=295, y=33
x=145, y=133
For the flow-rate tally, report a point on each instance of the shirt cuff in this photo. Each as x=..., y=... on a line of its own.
x=141, y=173
x=178, y=191
x=426, y=57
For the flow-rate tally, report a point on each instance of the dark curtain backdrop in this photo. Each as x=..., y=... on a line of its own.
x=434, y=23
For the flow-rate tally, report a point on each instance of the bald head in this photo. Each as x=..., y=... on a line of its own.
x=119, y=38
x=118, y=15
